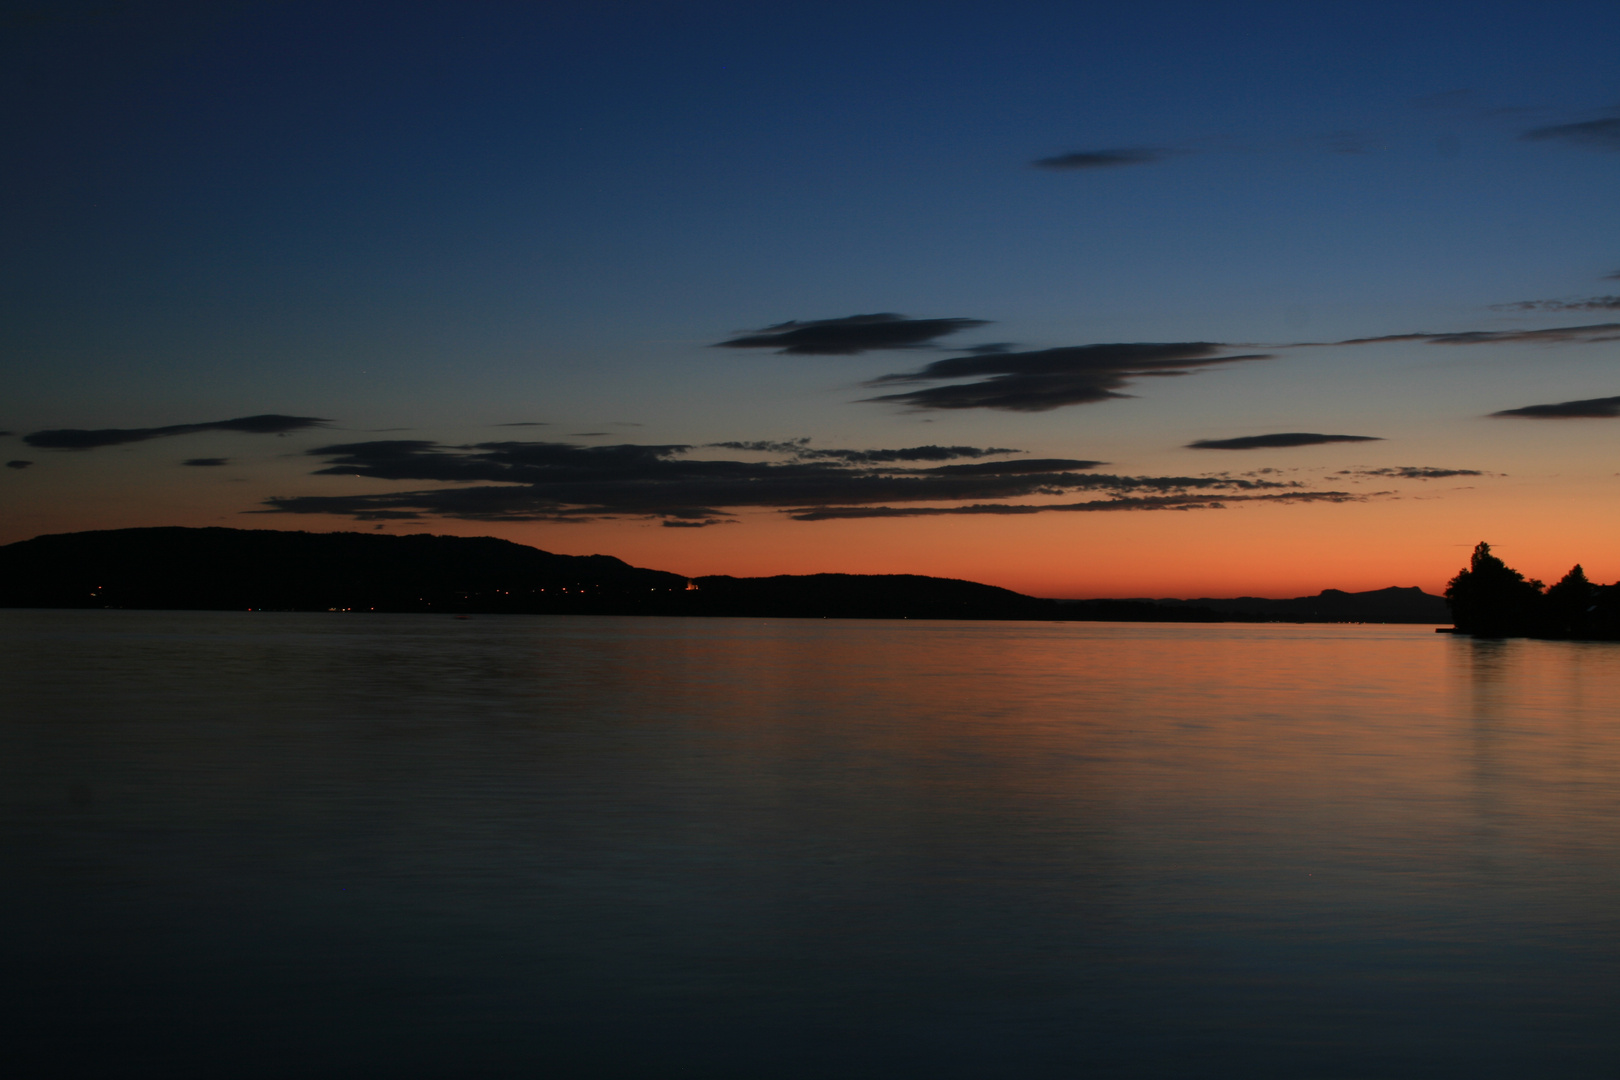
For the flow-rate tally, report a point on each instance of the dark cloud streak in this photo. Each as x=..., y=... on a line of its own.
x=850, y=335
x=86, y=439
x=1591, y=303
x=1413, y=472
x=801, y=449
x=1046, y=379
x=1159, y=502
x=1277, y=441
x=1588, y=408
x=1601, y=134
x=1580, y=334
x=1101, y=159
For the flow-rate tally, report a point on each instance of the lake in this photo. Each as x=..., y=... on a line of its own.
x=258, y=844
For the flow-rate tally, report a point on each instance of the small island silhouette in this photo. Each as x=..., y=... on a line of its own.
x=1488, y=598
x=223, y=569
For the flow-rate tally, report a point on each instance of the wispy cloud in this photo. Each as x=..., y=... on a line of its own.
x=1101, y=159
x=1157, y=502
x=1590, y=303
x=205, y=462
x=850, y=335
x=1603, y=134
x=1588, y=408
x=1580, y=334
x=1282, y=439
x=18, y=464
x=1413, y=472
x=802, y=451
x=89, y=439
x=1341, y=141
x=1051, y=378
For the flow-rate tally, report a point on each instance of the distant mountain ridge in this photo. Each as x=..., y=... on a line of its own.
x=259, y=569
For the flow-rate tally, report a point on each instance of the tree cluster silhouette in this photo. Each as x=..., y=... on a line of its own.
x=1488, y=598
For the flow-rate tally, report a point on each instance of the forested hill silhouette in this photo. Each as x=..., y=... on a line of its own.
x=1488, y=598
x=239, y=569
x=235, y=569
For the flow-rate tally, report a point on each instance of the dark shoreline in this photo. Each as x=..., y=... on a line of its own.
x=217, y=569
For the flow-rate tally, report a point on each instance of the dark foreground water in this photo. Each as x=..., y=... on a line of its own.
x=352, y=846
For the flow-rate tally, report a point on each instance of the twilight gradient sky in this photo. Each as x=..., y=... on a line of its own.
x=522, y=269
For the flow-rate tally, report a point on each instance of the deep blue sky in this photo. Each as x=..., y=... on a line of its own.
x=448, y=216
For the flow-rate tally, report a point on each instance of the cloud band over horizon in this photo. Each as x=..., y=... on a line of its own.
x=560, y=482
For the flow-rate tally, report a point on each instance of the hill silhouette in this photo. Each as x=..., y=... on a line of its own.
x=260, y=569
x=236, y=569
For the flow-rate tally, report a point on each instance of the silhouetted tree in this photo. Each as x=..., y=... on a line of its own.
x=1492, y=599
x=1568, y=604
x=1603, y=617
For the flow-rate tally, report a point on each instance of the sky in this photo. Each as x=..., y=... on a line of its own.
x=1161, y=299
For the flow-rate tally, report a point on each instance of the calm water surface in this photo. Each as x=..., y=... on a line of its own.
x=350, y=846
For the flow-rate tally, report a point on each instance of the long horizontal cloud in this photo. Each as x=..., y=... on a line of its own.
x=1590, y=303
x=89, y=439
x=1585, y=334
x=545, y=481
x=1413, y=472
x=1603, y=134
x=1051, y=378
x=850, y=335
x=1282, y=439
x=1101, y=159
x=800, y=448
x=1587, y=408
x=1151, y=502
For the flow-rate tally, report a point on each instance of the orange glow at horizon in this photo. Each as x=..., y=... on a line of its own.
x=1421, y=538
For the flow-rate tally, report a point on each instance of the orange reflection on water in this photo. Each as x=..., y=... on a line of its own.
x=1134, y=846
